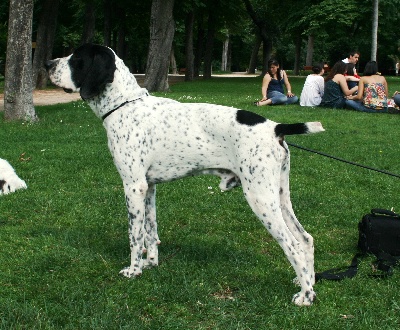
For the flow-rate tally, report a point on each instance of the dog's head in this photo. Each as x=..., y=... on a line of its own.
x=87, y=70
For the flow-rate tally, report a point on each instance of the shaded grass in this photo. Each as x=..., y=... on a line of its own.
x=64, y=239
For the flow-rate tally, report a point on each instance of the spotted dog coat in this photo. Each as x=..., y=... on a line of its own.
x=154, y=140
x=9, y=180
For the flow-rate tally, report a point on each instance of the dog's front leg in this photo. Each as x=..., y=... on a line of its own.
x=135, y=194
x=151, y=239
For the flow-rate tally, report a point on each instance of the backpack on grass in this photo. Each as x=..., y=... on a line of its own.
x=379, y=234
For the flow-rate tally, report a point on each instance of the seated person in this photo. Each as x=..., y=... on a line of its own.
x=372, y=91
x=272, y=87
x=396, y=98
x=394, y=103
x=352, y=77
x=352, y=58
x=336, y=87
x=313, y=88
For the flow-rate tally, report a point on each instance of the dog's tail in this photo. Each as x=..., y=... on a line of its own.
x=299, y=128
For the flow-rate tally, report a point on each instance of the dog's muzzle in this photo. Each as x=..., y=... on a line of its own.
x=50, y=65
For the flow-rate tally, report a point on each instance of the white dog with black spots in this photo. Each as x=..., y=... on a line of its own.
x=9, y=180
x=154, y=140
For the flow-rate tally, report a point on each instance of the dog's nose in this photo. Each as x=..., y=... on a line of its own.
x=49, y=64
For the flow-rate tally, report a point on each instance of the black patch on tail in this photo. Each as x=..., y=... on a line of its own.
x=291, y=129
x=249, y=118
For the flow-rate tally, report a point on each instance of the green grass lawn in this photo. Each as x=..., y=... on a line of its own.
x=64, y=239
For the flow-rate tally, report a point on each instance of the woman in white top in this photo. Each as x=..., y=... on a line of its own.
x=313, y=88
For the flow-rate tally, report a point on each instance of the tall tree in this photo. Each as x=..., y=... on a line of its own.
x=89, y=22
x=121, y=32
x=161, y=37
x=225, y=53
x=310, y=50
x=264, y=31
x=107, y=28
x=189, y=55
x=199, y=45
x=208, y=52
x=254, y=54
x=374, y=43
x=18, y=97
x=44, y=41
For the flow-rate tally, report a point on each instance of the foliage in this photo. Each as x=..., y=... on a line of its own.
x=64, y=239
x=334, y=13
x=339, y=26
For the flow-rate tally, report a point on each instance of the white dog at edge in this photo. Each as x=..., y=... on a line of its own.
x=9, y=180
x=154, y=140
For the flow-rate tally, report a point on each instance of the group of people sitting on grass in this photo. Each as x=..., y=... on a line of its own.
x=341, y=88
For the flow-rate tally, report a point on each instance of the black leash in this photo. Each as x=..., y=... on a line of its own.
x=342, y=160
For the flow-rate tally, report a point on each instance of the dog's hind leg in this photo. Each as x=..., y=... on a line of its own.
x=293, y=224
x=151, y=239
x=135, y=194
x=266, y=205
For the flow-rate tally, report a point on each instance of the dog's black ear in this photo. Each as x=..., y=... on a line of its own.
x=100, y=73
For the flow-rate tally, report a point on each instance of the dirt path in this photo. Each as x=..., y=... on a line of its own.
x=57, y=95
x=48, y=96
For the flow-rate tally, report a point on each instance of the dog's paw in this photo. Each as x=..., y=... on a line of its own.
x=130, y=273
x=11, y=186
x=150, y=263
x=304, y=298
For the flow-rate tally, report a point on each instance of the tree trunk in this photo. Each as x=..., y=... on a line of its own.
x=374, y=43
x=229, y=57
x=18, y=98
x=254, y=54
x=260, y=23
x=189, y=56
x=297, y=54
x=121, y=44
x=107, y=6
x=161, y=36
x=199, y=47
x=172, y=61
x=44, y=42
x=310, y=50
x=225, y=54
x=208, y=54
x=267, y=50
x=89, y=23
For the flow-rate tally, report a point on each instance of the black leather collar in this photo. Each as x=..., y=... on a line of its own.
x=115, y=109
x=120, y=106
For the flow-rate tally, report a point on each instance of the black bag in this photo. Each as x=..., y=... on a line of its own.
x=379, y=234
